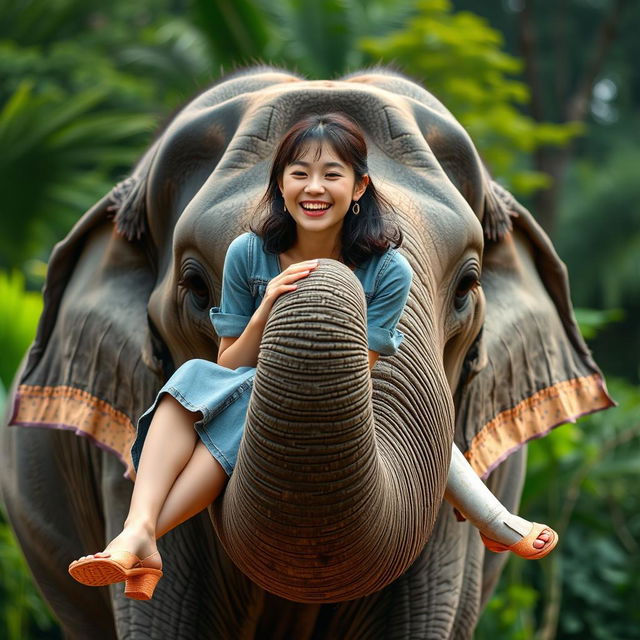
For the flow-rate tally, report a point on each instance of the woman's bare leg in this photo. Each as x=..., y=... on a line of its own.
x=168, y=447
x=199, y=484
x=472, y=498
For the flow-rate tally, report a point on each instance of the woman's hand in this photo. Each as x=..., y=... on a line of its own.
x=243, y=350
x=285, y=281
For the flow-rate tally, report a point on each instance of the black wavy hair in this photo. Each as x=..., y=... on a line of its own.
x=371, y=232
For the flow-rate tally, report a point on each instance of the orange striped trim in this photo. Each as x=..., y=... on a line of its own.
x=70, y=408
x=534, y=417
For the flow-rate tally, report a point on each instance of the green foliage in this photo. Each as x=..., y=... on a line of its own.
x=3, y=398
x=61, y=130
x=603, y=203
x=481, y=93
x=236, y=31
x=580, y=480
x=171, y=58
x=509, y=614
x=66, y=145
x=332, y=35
x=598, y=236
x=591, y=321
x=317, y=38
x=24, y=613
x=19, y=314
x=39, y=23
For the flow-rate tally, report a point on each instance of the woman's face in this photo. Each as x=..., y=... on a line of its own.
x=319, y=188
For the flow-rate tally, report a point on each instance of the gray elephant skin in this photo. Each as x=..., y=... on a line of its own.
x=332, y=524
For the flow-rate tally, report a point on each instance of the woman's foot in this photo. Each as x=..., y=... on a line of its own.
x=529, y=540
x=135, y=540
x=131, y=557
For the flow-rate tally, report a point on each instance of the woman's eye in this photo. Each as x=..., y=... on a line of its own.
x=334, y=175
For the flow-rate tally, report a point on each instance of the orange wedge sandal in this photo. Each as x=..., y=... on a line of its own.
x=121, y=566
x=524, y=548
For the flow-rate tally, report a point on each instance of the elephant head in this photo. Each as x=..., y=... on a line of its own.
x=340, y=476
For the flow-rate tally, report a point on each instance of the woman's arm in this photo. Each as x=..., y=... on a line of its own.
x=247, y=350
x=242, y=351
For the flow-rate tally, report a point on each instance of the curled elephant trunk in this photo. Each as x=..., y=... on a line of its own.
x=324, y=504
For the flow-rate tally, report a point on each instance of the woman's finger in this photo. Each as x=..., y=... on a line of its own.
x=301, y=266
x=279, y=286
x=274, y=293
x=291, y=276
x=285, y=281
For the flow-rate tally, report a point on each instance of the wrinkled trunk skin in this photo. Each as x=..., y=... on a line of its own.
x=335, y=493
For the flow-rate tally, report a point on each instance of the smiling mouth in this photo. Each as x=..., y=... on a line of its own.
x=315, y=206
x=315, y=209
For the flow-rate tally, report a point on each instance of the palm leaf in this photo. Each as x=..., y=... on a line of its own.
x=42, y=21
x=53, y=139
x=237, y=30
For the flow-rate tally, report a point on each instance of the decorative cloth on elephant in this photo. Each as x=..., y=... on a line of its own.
x=222, y=395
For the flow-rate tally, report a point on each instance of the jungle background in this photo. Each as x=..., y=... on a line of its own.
x=550, y=92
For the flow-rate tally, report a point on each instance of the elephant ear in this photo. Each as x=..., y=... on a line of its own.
x=530, y=369
x=93, y=340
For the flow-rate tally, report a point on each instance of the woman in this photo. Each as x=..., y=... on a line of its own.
x=320, y=203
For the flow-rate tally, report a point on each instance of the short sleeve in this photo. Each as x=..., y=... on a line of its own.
x=387, y=304
x=237, y=304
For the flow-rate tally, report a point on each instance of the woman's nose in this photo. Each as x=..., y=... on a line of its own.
x=314, y=185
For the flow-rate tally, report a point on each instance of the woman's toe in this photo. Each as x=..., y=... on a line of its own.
x=542, y=539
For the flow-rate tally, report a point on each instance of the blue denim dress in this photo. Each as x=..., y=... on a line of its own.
x=222, y=395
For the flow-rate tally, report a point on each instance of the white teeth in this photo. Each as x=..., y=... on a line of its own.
x=315, y=207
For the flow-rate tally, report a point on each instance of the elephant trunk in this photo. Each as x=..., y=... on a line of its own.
x=321, y=507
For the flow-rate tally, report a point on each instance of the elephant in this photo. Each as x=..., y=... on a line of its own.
x=333, y=523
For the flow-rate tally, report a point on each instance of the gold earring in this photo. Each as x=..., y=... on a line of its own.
x=355, y=209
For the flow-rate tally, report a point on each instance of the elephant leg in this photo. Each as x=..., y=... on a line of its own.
x=469, y=604
x=449, y=605
x=441, y=587
x=54, y=519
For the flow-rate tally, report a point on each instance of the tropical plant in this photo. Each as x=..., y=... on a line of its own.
x=23, y=611
x=19, y=313
x=581, y=479
x=65, y=133
x=598, y=235
x=317, y=38
x=482, y=92
x=66, y=145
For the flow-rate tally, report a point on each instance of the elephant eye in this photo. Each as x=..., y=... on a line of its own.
x=196, y=285
x=467, y=283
